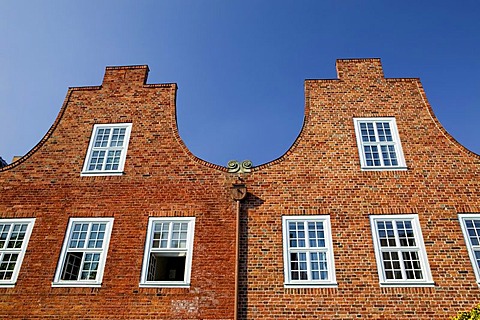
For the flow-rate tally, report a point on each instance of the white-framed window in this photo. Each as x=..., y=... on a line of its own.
x=379, y=144
x=470, y=224
x=307, y=251
x=14, y=236
x=400, y=251
x=84, y=252
x=167, y=260
x=107, y=149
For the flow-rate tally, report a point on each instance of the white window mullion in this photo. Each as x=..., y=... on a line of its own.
x=87, y=236
x=307, y=251
x=79, y=276
x=170, y=232
x=108, y=148
x=379, y=145
x=402, y=264
x=398, y=248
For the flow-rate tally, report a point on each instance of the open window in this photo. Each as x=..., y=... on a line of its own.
x=168, y=252
x=84, y=252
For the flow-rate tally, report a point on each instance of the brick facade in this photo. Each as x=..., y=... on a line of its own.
x=319, y=175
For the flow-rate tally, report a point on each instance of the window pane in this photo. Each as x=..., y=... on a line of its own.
x=17, y=236
x=179, y=235
x=96, y=236
x=79, y=234
x=101, y=139
x=72, y=264
x=298, y=266
x=367, y=131
x=391, y=265
x=113, y=160
x=118, y=137
x=316, y=234
x=297, y=234
x=384, y=132
x=318, y=262
x=96, y=161
x=4, y=229
x=412, y=265
x=90, y=266
x=405, y=234
x=7, y=265
x=372, y=156
x=386, y=234
x=477, y=257
x=160, y=235
x=473, y=228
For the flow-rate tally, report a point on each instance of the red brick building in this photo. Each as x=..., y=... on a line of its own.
x=374, y=212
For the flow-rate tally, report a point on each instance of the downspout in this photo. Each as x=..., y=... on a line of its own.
x=238, y=193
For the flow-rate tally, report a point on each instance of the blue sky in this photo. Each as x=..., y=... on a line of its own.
x=239, y=65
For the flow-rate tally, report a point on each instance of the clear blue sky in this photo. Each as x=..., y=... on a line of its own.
x=239, y=65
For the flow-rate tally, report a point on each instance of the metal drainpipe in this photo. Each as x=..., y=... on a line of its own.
x=239, y=192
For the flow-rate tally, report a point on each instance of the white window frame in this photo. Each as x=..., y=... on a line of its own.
x=419, y=248
x=401, y=165
x=471, y=247
x=102, y=251
x=8, y=283
x=187, y=251
x=91, y=149
x=330, y=280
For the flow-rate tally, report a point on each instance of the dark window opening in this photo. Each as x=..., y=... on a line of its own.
x=166, y=268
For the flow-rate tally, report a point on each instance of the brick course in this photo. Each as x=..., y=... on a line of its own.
x=319, y=174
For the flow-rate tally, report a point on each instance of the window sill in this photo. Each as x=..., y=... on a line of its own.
x=311, y=285
x=74, y=284
x=164, y=285
x=101, y=173
x=7, y=285
x=406, y=284
x=384, y=168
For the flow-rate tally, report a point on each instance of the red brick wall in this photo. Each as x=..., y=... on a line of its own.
x=320, y=174
x=161, y=178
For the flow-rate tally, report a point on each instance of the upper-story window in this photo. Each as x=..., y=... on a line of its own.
x=308, y=253
x=471, y=230
x=168, y=252
x=107, y=149
x=399, y=250
x=14, y=236
x=379, y=144
x=84, y=252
